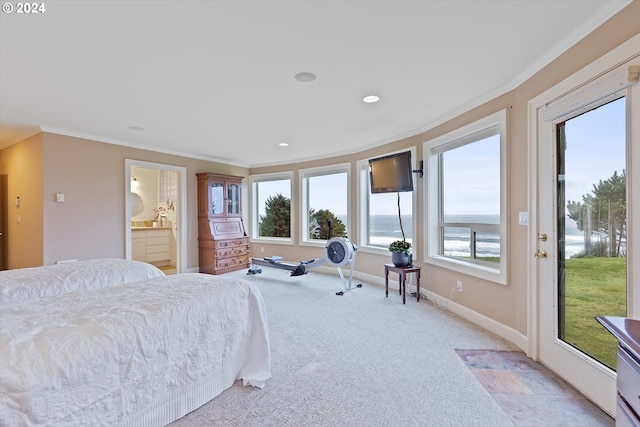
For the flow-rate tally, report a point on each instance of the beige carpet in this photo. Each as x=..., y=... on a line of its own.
x=359, y=359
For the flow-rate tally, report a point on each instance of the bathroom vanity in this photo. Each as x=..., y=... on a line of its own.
x=151, y=244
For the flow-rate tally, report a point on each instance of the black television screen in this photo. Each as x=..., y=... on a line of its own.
x=390, y=174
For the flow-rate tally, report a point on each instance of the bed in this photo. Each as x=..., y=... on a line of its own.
x=139, y=354
x=28, y=284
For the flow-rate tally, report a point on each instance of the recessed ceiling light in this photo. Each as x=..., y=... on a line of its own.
x=305, y=76
x=283, y=144
x=370, y=99
x=137, y=128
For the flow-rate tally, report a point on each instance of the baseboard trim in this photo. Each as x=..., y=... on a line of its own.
x=503, y=331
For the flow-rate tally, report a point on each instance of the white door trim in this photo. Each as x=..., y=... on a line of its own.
x=181, y=252
x=611, y=60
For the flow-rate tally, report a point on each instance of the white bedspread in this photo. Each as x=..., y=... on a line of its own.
x=140, y=354
x=28, y=284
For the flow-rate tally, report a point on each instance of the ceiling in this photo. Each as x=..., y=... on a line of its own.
x=215, y=79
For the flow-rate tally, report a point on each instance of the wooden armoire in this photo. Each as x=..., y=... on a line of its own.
x=223, y=244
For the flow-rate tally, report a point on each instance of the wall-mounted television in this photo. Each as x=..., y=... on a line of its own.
x=392, y=173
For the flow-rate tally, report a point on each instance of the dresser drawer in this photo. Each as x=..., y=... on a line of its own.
x=624, y=416
x=628, y=379
x=242, y=261
x=232, y=251
x=219, y=244
x=151, y=245
x=159, y=256
x=153, y=240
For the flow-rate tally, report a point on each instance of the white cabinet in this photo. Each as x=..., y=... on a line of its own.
x=151, y=244
x=138, y=250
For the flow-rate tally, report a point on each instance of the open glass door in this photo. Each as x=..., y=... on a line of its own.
x=584, y=241
x=592, y=227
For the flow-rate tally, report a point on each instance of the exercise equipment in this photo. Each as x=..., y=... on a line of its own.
x=338, y=253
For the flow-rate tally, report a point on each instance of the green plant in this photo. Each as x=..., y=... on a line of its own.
x=277, y=219
x=400, y=246
x=319, y=225
x=160, y=211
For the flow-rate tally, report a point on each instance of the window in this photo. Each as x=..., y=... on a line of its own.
x=325, y=199
x=379, y=222
x=271, y=207
x=466, y=199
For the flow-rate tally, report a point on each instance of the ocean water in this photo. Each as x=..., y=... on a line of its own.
x=386, y=228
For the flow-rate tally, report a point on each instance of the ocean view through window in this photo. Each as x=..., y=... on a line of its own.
x=384, y=229
x=466, y=202
x=379, y=222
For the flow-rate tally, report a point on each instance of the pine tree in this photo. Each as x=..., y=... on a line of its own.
x=277, y=219
x=603, y=210
x=319, y=225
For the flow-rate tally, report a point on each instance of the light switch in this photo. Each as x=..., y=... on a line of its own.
x=59, y=197
x=523, y=218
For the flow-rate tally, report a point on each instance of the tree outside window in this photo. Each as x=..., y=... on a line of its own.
x=325, y=200
x=277, y=220
x=271, y=206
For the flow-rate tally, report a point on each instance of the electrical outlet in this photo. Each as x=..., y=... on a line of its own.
x=261, y=248
x=459, y=286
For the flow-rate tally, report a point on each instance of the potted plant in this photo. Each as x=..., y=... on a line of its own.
x=400, y=253
x=160, y=212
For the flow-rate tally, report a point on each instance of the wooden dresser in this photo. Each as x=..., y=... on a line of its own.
x=223, y=244
x=627, y=332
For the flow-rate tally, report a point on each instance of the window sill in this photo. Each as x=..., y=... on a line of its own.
x=272, y=240
x=494, y=275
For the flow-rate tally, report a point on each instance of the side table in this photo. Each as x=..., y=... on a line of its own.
x=402, y=279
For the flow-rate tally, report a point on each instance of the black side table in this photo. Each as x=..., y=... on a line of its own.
x=402, y=279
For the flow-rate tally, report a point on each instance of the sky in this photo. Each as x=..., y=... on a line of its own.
x=595, y=148
x=472, y=177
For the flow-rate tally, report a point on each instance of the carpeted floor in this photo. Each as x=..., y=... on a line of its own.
x=361, y=359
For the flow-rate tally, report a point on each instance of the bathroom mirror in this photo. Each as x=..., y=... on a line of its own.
x=135, y=202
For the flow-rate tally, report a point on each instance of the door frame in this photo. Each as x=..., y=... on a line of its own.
x=605, y=396
x=181, y=208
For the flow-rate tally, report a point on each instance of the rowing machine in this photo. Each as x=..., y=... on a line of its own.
x=338, y=253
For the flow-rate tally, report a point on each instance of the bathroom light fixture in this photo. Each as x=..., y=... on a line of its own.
x=370, y=99
x=134, y=182
x=283, y=144
x=305, y=76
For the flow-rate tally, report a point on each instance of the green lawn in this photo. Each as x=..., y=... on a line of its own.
x=594, y=287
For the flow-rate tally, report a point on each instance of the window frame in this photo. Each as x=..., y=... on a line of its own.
x=364, y=198
x=432, y=150
x=255, y=215
x=304, y=174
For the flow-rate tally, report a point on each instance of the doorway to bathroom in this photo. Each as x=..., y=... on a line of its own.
x=155, y=209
